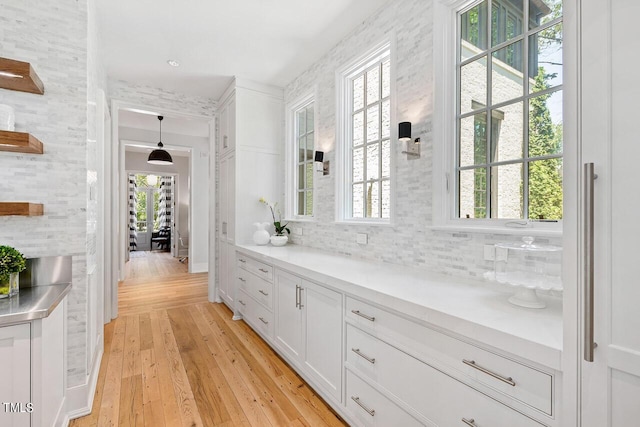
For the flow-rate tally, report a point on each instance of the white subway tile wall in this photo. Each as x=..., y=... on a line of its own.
x=32, y=32
x=411, y=240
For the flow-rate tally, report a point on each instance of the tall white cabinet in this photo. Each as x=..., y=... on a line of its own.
x=248, y=146
x=608, y=383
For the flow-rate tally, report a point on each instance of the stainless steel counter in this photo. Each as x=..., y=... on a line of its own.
x=32, y=303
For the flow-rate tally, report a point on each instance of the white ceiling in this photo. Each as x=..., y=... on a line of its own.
x=268, y=41
x=175, y=125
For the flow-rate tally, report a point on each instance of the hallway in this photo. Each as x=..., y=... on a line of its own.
x=173, y=359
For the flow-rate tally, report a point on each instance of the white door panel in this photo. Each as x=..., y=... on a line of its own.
x=610, y=385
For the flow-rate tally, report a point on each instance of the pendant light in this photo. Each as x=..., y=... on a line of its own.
x=160, y=156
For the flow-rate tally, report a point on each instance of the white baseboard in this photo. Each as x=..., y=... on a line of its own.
x=80, y=398
x=199, y=267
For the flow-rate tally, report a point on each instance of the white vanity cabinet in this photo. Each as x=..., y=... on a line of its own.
x=309, y=329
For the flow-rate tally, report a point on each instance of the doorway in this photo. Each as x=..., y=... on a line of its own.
x=152, y=210
x=190, y=137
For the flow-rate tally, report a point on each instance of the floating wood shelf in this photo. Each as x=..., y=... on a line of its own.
x=18, y=75
x=21, y=208
x=20, y=142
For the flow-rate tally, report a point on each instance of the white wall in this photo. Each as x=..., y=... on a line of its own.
x=411, y=239
x=199, y=188
x=137, y=162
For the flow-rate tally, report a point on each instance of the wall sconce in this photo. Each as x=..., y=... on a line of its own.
x=321, y=165
x=404, y=136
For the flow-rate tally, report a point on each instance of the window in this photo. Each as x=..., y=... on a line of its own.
x=508, y=160
x=301, y=143
x=365, y=121
x=304, y=135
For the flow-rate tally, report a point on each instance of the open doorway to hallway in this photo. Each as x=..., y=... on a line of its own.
x=157, y=235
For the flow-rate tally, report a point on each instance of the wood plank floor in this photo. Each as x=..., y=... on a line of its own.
x=173, y=359
x=147, y=264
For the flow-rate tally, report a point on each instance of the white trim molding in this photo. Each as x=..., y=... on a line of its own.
x=380, y=50
x=309, y=97
x=444, y=135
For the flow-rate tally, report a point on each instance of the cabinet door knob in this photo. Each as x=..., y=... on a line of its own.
x=263, y=321
x=470, y=422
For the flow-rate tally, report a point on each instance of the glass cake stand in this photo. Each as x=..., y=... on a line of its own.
x=528, y=266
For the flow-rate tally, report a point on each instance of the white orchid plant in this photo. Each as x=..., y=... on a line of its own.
x=280, y=228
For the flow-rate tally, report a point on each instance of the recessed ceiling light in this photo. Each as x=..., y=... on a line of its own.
x=173, y=63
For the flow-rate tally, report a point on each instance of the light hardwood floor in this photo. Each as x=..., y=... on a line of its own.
x=173, y=359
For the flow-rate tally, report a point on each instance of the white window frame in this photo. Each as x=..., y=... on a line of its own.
x=291, y=156
x=445, y=33
x=344, y=102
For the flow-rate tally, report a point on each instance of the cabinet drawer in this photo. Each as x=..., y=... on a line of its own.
x=259, y=289
x=401, y=375
x=260, y=269
x=514, y=379
x=257, y=316
x=370, y=408
x=463, y=406
x=428, y=391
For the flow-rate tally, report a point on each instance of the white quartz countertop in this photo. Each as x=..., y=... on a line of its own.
x=474, y=309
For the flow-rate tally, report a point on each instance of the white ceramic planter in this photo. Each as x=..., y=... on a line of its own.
x=279, y=240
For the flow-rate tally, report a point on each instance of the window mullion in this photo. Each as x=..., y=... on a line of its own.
x=488, y=133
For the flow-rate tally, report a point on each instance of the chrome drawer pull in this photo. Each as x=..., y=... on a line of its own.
x=240, y=301
x=241, y=279
x=371, y=412
x=365, y=357
x=263, y=270
x=263, y=292
x=263, y=321
x=242, y=260
x=357, y=313
x=470, y=422
x=473, y=364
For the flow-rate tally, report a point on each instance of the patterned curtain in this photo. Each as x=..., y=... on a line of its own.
x=133, y=236
x=165, y=203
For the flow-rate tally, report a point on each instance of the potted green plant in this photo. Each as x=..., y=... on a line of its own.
x=278, y=239
x=12, y=263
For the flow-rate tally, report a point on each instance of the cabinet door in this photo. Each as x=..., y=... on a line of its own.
x=223, y=198
x=223, y=142
x=322, y=310
x=231, y=143
x=230, y=182
x=610, y=382
x=15, y=386
x=288, y=315
x=231, y=273
x=223, y=279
